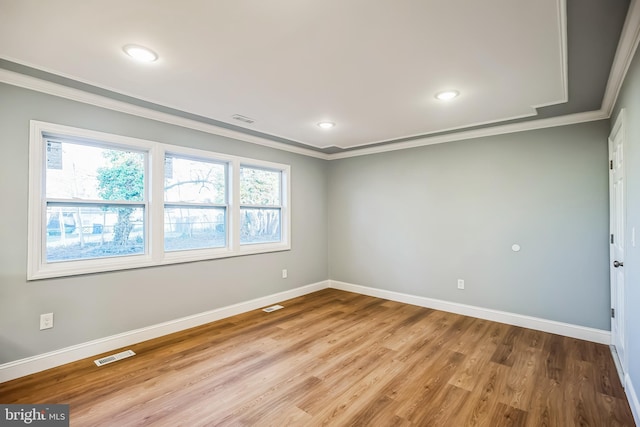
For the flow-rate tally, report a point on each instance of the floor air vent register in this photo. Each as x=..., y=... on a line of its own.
x=128, y=353
x=114, y=358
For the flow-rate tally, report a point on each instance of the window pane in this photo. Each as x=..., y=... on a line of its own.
x=75, y=233
x=195, y=181
x=76, y=171
x=260, y=187
x=194, y=228
x=259, y=225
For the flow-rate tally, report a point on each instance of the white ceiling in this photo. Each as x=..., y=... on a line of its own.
x=372, y=67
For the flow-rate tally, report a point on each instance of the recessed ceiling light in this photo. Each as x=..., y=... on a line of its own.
x=326, y=125
x=140, y=53
x=447, y=95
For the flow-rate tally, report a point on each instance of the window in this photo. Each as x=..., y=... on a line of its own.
x=101, y=202
x=260, y=205
x=195, y=203
x=95, y=201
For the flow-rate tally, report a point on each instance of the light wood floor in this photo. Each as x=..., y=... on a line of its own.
x=337, y=358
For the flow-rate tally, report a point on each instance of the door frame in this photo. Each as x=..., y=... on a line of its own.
x=619, y=126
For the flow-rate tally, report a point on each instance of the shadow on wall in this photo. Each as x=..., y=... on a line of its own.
x=9, y=347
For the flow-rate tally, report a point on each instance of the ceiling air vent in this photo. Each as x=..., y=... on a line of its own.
x=114, y=357
x=244, y=119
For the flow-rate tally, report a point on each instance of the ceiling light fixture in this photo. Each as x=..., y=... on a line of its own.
x=140, y=53
x=326, y=125
x=447, y=95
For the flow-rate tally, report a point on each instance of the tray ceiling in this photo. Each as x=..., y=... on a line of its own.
x=372, y=68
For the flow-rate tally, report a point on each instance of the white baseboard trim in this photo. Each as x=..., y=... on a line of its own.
x=41, y=362
x=632, y=397
x=566, y=329
x=618, y=365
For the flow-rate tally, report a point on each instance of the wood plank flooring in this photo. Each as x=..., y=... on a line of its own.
x=341, y=359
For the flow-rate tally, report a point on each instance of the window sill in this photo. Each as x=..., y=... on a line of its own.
x=103, y=265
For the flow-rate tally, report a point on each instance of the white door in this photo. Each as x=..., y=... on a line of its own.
x=617, y=229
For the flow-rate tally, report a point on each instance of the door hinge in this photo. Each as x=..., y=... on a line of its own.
x=612, y=239
x=611, y=164
x=613, y=312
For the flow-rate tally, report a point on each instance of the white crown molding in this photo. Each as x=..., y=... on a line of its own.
x=562, y=23
x=55, y=89
x=564, y=63
x=629, y=39
x=32, y=83
x=551, y=326
x=478, y=133
x=39, y=85
x=41, y=362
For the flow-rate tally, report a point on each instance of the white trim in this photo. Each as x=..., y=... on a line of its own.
x=563, y=98
x=629, y=39
x=41, y=362
x=284, y=206
x=632, y=397
x=32, y=83
x=38, y=268
x=562, y=24
x=618, y=127
x=478, y=133
x=616, y=362
x=30, y=365
x=551, y=326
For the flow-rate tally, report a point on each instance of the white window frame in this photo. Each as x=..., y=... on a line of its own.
x=38, y=268
x=196, y=254
x=281, y=206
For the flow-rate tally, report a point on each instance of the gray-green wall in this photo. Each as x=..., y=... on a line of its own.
x=411, y=221
x=414, y=221
x=94, y=306
x=629, y=99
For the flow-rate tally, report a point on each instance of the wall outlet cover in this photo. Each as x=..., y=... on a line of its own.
x=46, y=321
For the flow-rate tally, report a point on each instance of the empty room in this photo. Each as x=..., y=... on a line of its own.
x=297, y=213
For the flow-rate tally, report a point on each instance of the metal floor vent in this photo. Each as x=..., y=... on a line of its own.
x=114, y=357
x=272, y=308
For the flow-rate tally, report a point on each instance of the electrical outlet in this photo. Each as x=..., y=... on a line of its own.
x=46, y=321
x=460, y=284
x=284, y=273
